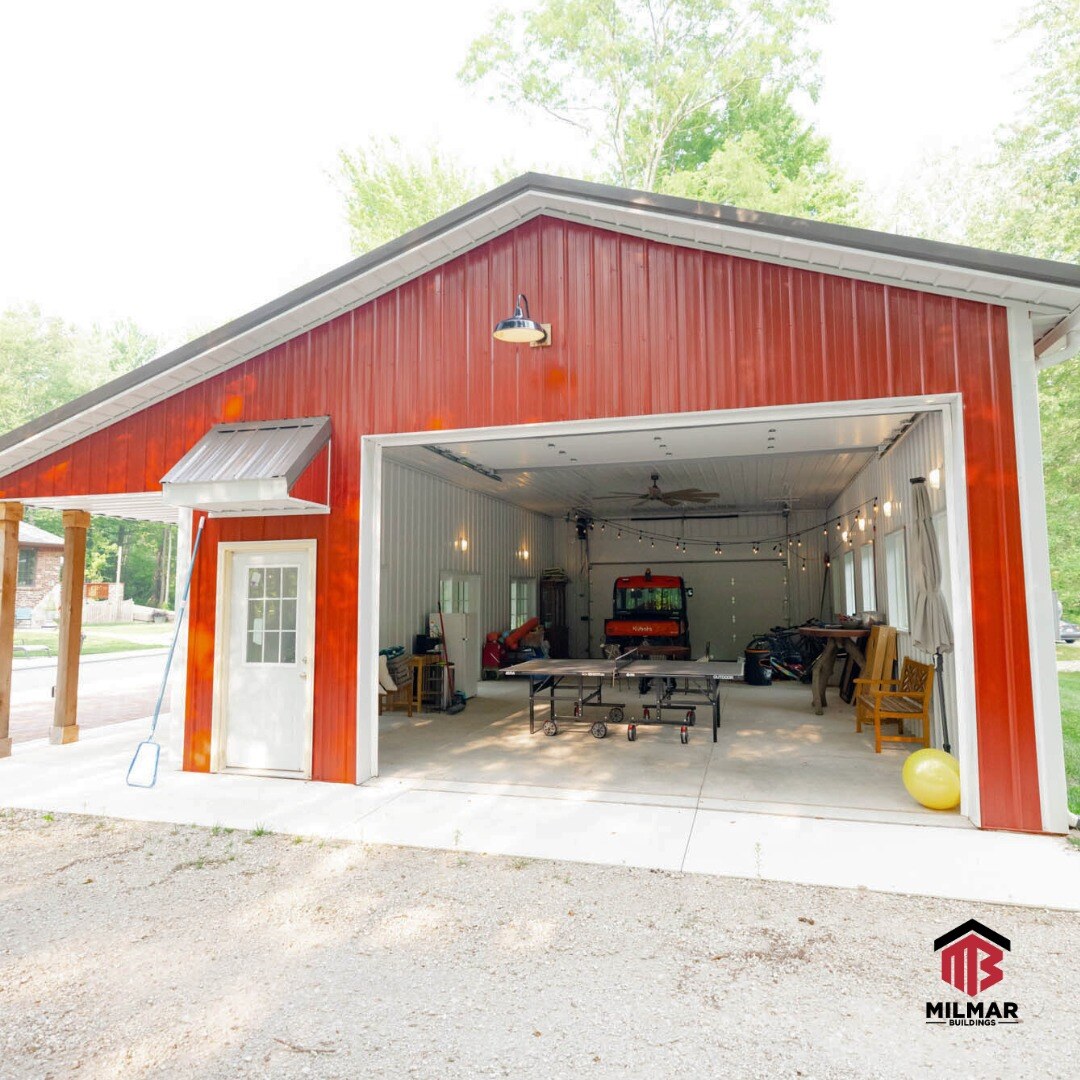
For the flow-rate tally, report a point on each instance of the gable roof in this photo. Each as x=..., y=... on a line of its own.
x=32, y=536
x=1050, y=290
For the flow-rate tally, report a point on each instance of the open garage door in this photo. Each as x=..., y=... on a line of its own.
x=758, y=517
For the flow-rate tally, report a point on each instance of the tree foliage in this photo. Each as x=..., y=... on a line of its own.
x=388, y=191
x=140, y=546
x=1035, y=208
x=739, y=173
x=45, y=361
x=648, y=81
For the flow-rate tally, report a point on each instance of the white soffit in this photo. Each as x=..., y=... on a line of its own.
x=743, y=233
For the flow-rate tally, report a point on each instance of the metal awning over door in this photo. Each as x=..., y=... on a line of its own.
x=253, y=469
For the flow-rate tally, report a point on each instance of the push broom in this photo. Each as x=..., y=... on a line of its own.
x=142, y=772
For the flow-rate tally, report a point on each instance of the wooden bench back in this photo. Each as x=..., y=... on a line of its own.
x=880, y=653
x=916, y=679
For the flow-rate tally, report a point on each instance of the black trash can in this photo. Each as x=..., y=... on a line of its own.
x=758, y=668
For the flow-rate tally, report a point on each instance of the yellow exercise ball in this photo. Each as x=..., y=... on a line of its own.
x=932, y=778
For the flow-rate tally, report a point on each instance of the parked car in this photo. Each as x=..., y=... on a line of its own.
x=1068, y=632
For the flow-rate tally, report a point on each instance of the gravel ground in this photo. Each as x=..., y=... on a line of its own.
x=134, y=949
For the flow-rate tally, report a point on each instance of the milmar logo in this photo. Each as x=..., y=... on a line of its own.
x=971, y=956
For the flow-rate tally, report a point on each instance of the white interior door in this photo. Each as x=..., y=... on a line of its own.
x=269, y=660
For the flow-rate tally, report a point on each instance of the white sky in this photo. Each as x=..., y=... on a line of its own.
x=173, y=163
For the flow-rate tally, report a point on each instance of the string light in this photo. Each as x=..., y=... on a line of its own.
x=845, y=524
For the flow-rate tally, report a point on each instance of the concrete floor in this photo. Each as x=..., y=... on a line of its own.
x=773, y=755
x=890, y=853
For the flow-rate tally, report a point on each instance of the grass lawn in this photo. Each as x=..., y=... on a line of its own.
x=1070, y=727
x=107, y=638
x=1068, y=652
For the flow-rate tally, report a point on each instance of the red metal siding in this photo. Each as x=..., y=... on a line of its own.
x=639, y=328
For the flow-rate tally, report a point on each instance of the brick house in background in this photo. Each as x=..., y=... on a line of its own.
x=41, y=555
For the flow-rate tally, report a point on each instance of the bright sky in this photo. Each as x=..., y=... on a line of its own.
x=173, y=163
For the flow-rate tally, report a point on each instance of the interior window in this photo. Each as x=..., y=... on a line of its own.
x=848, y=568
x=522, y=601
x=896, y=582
x=866, y=574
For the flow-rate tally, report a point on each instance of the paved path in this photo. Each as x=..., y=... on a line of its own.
x=112, y=688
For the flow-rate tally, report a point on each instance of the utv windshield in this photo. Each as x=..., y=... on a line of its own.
x=653, y=601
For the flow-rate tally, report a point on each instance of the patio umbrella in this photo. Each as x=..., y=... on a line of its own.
x=931, y=629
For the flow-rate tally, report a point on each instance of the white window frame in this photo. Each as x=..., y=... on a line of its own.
x=529, y=607
x=847, y=572
x=897, y=584
x=867, y=577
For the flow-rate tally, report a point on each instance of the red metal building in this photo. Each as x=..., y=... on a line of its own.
x=660, y=306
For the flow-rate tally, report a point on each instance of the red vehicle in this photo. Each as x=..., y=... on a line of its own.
x=648, y=609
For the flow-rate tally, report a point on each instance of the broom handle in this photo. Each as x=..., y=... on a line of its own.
x=181, y=612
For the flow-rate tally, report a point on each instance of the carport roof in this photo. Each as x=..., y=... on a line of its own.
x=1049, y=290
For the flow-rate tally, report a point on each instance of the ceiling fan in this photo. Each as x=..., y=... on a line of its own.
x=669, y=498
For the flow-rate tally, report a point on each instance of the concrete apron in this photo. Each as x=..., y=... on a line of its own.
x=674, y=833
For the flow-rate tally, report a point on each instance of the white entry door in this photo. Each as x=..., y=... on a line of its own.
x=268, y=661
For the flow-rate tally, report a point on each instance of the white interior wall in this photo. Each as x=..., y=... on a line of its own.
x=422, y=517
x=919, y=450
x=736, y=536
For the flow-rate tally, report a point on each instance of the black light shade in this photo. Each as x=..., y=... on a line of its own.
x=520, y=327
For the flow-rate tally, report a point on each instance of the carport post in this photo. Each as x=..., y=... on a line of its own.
x=65, y=729
x=10, y=515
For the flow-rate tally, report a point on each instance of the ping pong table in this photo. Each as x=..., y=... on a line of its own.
x=680, y=687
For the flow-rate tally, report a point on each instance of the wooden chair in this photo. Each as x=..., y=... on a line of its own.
x=880, y=657
x=893, y=701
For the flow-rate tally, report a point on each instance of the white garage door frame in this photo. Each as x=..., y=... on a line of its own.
x=949, y=405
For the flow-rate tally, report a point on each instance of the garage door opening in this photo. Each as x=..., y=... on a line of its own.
x=690, y=538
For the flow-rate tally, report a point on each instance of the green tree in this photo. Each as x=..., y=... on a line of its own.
x=45, y=361
x=739, y=173
x=647, y=80
x=1036, y=205
x=388, y=191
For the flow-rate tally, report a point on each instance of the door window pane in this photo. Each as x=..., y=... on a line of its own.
x=273, y=581
x=288, y=614
x=270, y=636
x=289, y=581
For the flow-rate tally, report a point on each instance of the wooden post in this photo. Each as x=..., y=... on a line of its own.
x=10, y=515
x=65, y=729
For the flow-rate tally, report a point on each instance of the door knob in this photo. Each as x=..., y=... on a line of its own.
x=303, y=674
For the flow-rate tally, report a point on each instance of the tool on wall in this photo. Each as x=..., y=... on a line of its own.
x=143, y=770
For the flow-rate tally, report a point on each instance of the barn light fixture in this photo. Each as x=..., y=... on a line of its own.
x=934, y=478
x=521, y=328
x=462, y=543
x=523, y=553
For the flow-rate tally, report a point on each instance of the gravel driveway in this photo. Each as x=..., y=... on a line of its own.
x=133, y=949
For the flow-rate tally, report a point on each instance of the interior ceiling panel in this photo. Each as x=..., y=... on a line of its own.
x=752, y=466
